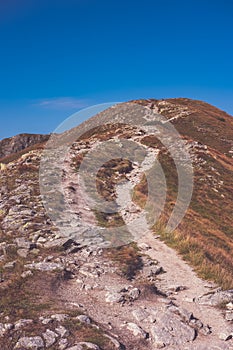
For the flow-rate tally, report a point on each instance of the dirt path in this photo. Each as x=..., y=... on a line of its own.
x=179, y=273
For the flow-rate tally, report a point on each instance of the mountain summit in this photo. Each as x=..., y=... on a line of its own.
x=81, y=268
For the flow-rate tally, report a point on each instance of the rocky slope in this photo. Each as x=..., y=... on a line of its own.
x=62, y=287
x=19, y=142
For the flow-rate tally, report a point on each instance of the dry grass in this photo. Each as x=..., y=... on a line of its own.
x=209, y=261
x=128, y=259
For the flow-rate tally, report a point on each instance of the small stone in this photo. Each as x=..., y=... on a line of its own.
x=41, y=240
x=35, y=343
x=137, y=331
x=4, y=328
x=205, y=330
x=10, y=265
x=62, y=344
x=229, y=306
x=59, y=317
x=45, y=266
x=62, y=331
x=22, y=323
x=134, y=293
x=115, y=342
x=89, y=345
x=49, y=337
x=35, y=251
x=140, y=314
x=113, y=298
x=45, y=320
x=26, y=274
x=22, y=243
x=229, y=316
x=84, y=319
x=225, y=336
x=23, y=253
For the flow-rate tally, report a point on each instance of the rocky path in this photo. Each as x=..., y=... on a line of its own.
x=186, y=289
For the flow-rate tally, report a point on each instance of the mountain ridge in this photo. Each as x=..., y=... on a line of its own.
x=61, y=288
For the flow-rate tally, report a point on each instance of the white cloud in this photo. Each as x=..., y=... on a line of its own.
x=62, y=103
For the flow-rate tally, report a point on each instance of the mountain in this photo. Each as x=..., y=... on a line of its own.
x=84, y=267
x=19, y=142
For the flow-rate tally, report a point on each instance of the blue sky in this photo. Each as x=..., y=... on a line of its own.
x=58, y=56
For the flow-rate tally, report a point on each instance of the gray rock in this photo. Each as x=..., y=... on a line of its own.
x=84, y=346
x=185, y=314
x=62, y=344
x=59, y=317
x=22, y=323
x=170, y=330
x=225, y=336
x=115, y=342
x=62, y=331
x=84, y=319
x=229, y=306
x=89, y=345
x=136, y=330
x=140, y=314
x=22, y=243
x=10, y=265
x=33, y=343
x=44, y=266
x=26, y=274
x=229, y=316
x=134, y=293
x=23, y=253
x=217, y=298
x=50, y=337
x=205, y=330
x=113, y=297
x=4, y=328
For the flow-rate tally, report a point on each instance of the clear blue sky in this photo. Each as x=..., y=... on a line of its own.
x=58, y=56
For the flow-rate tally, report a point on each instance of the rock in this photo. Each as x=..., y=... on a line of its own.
x=84, y=319
x=22, y=323
x=50, y=337
x=84, y=346
x=134, y=293
x=59, y=317
x=26, y=274
x=185, y=314
x=205, y=330
x=41, y=240
x=10, y=265
x=22, y=243
x=144, y=246
x=115, y=342
x=76, y=347
x=216, y=298
x=44, y=266
x=45, y=320
x=62, y=344
x=136, y=330
x=229, y=316
x=170, y=330
x=176, y=288
x=33, y=343
x=23, y=253
x=229, y=306
x=71, y=246
x=113, y=297
x=62, y=331
x=87, y=345
x=5, y=328
x=225, y=336
x=140, y=314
